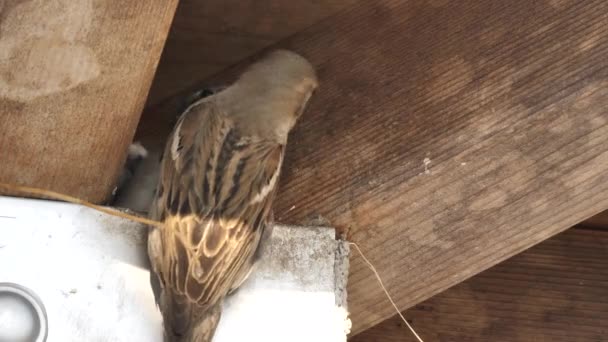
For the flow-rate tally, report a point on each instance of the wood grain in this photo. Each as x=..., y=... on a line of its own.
x=446, y=136
x=74, y=76
x=208, y=36
x=555, y=291
x=599, y=221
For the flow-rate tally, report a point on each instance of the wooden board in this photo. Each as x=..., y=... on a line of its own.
x=599, y=221
x=446, y=136
x=208, y=36
x=555, y=291
x=74, y=76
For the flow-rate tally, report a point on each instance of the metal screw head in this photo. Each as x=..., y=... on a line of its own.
x=22, y=315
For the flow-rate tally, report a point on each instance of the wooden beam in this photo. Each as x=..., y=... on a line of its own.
x=74, y=76
x=599, y=221
x=555, y=291
x=209, y=36
x=446, y=136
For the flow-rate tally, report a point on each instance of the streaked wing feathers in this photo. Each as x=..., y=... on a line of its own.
x=215, y=198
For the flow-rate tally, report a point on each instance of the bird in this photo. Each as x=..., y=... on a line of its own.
x=218, y=178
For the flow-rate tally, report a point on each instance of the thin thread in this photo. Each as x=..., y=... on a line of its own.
x=371, y=267
x=67, y=198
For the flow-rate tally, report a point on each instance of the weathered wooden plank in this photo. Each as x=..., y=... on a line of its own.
x=208, y=36
x=555, y=291
x=447, y=136
x=74, y=76
x=599, y=221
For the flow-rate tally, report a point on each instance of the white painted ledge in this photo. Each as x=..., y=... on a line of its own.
x=90, y=271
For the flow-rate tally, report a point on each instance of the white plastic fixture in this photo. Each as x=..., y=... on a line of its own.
x=89, y=272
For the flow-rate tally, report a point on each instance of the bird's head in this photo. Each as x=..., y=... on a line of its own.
x=272, y=93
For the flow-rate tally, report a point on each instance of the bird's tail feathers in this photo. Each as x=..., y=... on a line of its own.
x=187, y=322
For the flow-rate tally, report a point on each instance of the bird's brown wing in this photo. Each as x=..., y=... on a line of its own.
x=214, y=197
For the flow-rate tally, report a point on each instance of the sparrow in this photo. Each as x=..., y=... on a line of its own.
x=218, y=178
